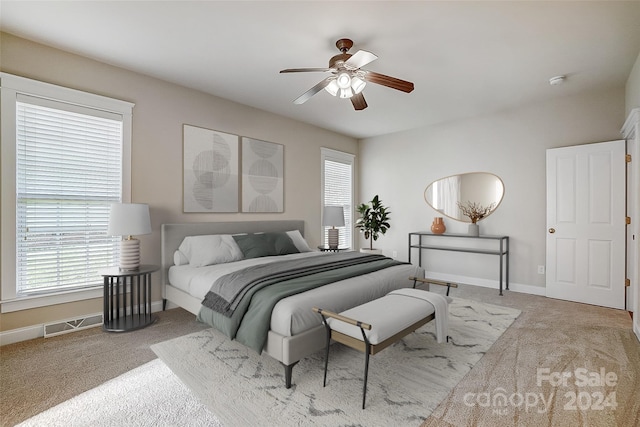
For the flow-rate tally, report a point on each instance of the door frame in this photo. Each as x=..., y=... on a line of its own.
x=631, y=131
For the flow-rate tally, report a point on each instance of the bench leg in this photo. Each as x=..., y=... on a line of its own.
x=327, y=329
x=326, y=352
x=366, y=372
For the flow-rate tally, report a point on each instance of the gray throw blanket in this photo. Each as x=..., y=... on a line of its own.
x=227, y=292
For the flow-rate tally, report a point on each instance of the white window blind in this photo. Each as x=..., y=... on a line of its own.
x=338, y=191
x=68, y=172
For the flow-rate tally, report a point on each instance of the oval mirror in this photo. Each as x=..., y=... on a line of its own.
x=482, y=189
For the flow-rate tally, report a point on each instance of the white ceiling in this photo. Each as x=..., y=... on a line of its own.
x=465, y=58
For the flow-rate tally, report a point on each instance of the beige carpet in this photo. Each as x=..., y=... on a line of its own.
x=71, y=364
x=147, y=396
x=406, y=380
x=38, y=374
x=519, y=382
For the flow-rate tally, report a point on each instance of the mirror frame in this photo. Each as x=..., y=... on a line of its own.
x=464, y=218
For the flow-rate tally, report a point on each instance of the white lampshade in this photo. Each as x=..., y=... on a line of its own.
x=332, y=88
x=333, y=216
x=129, y=219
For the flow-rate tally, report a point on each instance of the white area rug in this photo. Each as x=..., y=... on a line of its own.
x=406, y=381
x=150, y=395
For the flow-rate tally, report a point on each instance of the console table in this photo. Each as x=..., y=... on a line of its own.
x=421, y=240
x=116, y=282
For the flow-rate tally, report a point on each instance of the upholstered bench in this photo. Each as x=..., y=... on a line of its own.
x=375, y=325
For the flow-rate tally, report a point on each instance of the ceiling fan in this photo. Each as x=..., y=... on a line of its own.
x=348, y=79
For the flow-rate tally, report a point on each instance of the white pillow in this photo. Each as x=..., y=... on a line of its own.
x=210, y=249
x=179, y=258
x=299, y=241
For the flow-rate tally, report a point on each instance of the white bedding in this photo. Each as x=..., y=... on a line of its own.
x=293, y=314
x=196, y=281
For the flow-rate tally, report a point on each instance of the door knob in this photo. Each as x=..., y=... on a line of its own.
x=552, y=230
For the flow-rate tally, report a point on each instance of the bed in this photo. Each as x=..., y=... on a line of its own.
x=293, y=330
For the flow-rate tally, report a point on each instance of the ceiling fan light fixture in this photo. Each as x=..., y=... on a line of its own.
x=332, y=88
x=357, y=84
x=343, y=80
x=346, y=92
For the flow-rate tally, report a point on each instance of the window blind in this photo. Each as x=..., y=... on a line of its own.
x=68, y=172
x=337, y=192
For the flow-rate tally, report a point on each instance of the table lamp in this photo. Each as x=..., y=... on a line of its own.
x=333, y=216
x=127, y=220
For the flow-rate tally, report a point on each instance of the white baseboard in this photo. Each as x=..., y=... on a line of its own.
x=37, y=331
x=487, y=283
x=636, y=327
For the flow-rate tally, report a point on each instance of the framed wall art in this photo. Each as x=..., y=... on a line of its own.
x=210, y=171
x=262, y=176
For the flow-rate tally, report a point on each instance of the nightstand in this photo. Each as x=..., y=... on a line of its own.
x=328, y=249
x=134, y=286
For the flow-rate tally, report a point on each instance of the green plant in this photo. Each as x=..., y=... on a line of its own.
x=374, y=220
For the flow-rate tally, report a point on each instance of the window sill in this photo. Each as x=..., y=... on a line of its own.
x=36, y=301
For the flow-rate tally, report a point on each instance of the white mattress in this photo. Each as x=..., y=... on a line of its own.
x=293, y=314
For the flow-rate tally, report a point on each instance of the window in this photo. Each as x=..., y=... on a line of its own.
x=337, y=190
x=68, y=155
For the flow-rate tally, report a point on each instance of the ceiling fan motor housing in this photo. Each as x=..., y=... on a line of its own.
x=338, y=61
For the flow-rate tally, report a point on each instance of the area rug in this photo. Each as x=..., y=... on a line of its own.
x=406, y=381
x=150, y=395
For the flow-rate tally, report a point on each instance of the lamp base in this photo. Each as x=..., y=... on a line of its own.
x=129, y=254
x=333, y=238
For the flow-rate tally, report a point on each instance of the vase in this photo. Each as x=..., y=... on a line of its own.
x=474, y=230
x=438, y=227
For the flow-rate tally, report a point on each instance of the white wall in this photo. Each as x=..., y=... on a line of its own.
x=632, y=95
x=511, y=144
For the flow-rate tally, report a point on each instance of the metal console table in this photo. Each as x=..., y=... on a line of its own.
x=420, y=240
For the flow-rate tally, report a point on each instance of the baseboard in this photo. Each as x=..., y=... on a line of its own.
x=37, y=331
x=487, y=283
x=636, y=328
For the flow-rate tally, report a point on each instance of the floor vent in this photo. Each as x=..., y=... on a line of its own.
x=72, y=325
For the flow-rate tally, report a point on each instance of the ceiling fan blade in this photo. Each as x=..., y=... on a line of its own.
x=358, y=102
x=360, y=59
x=388, y=81
x=306, y=70
x=308, y=94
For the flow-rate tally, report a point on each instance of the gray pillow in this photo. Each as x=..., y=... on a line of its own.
x=265, y=244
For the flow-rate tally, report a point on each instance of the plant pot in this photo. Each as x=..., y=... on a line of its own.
x=438, y=227
x=371, y=251
x=474, y=230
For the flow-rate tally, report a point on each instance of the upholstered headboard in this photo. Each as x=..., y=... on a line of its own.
x=173, y=234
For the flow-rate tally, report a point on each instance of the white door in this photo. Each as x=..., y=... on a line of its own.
x=586, y=223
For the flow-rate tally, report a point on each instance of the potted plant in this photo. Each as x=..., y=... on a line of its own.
x=373, y=221
x=475, y=212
